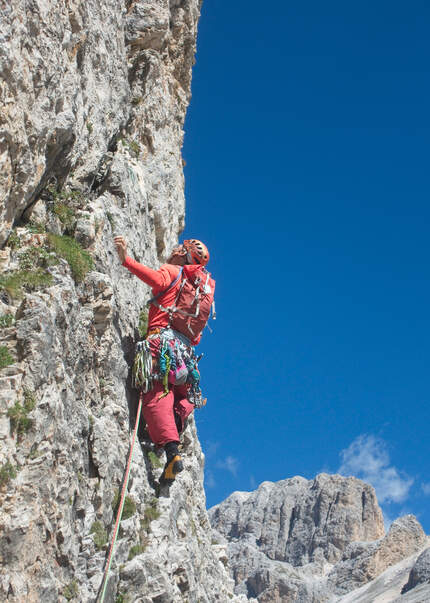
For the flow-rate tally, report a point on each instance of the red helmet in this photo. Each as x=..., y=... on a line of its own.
x=197, y=252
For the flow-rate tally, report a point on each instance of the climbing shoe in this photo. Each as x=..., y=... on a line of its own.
x=171, y=469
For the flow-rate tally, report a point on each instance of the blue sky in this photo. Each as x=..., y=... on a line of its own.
x=307, y=150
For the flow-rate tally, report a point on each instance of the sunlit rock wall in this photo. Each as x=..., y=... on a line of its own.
x=93, y=97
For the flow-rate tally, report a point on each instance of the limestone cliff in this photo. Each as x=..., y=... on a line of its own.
x=93, y=96
x=321, y=540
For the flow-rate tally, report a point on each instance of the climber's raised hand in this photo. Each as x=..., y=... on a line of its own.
x=121, y=248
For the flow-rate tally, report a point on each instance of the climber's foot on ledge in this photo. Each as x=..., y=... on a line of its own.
x=171, y=470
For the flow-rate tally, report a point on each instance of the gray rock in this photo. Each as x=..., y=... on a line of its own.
x=420, y=572
x=93, y=100
x=301, y=521
x=314, y=541
x=362, y=562
x=388, y=586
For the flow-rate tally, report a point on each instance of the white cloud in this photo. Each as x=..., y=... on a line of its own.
x=230, y=464
x=367, y=458
x=426, y=488
x=210, y=449
x=210, y=480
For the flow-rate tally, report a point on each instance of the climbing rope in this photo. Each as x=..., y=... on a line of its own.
x=103, y=586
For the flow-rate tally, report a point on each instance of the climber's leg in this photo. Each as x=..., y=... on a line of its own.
x=158, y=414
x=182, y=407
x=160, y=419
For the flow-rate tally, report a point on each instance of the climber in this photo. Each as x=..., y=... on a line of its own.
x=166, y=366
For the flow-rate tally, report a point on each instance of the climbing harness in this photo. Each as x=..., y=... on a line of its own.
x=175, y=363
x=102, y=590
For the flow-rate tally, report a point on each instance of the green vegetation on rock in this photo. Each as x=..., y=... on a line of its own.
x=79, y=260
x=20, y=422
x=6, y=320
x=111, y=220
x=132, y=146
x=135, y=550
x=100, y=534
x=142, y=326
x=6, y=357
x=129, y=508
x=34, y=257
x=18, y=281
x=151, y=512
x=13, y=241
x=154, y=460
x=64, y=204
x=7, y=472
x=71, y=590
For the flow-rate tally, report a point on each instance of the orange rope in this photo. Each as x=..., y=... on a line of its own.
x=102, y=589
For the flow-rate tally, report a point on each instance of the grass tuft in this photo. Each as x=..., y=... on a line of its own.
x=6, y=320
x=7, y=472
x=111, y=220
x=13, y=241
x=151, y=512
x=129, y=508
x=6, y=357
x=64, y=204
x=14, y=283
x=154, y=460
x=135, y=550
x=100, y=535
x=20, y=422
x=71, y=591
x=79, y=260
x=36, y=257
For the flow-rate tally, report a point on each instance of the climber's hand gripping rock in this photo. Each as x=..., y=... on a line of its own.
x=121, y=248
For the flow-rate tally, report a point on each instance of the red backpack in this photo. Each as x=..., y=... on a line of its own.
x=194, y=300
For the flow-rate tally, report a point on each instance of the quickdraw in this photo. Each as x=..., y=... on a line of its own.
x=176, y=363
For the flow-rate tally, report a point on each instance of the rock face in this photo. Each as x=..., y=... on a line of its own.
x=364, y=562
x=93, y=97
x=420, y=572
x=311, y=541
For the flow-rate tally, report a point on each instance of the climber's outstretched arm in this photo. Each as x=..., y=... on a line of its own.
x=157, y=279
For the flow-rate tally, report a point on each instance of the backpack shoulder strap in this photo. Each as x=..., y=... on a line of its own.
x=172, y=284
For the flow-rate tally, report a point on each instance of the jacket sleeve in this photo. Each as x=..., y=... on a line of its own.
x=157, y=279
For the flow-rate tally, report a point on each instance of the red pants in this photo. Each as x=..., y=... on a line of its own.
x=159, y=412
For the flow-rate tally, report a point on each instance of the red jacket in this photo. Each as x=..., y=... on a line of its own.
x=158, y=280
